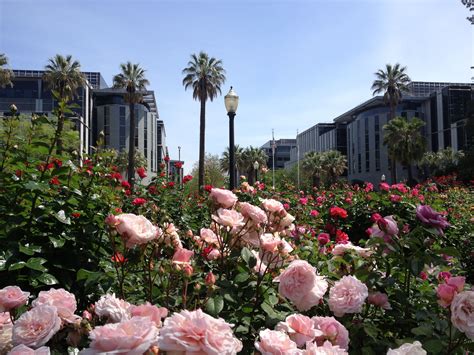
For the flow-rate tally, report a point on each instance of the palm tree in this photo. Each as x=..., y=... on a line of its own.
x=133, y=80
x=224, y=161
x=205, y=76
x=6, y=75
x=313, y=166
x=393, y=83
x=334, y=164
x=404, y=141
x=63, y=75
x=250, y=156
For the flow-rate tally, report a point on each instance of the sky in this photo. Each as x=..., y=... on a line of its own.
x=293, y=63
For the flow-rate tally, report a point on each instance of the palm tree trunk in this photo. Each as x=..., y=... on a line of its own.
x=202, y=136
x=131, y=148
x=316, y=181
x=251, y=175
x=410, y=175
x=394, y=171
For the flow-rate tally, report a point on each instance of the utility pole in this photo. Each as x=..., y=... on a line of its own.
x=298, y=158
x=273, y=158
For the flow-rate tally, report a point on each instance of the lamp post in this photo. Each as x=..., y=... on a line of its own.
x=231, y=101
x=256, y=166
x=382, y=178
x=298, y=159
x=179, y=170
x=273, y=159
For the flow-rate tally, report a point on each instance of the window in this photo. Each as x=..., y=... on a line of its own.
x=377, y=143
x=136, y=127
x=367, y=148
x=145, y=135
x=106, y=126
x=122, y=128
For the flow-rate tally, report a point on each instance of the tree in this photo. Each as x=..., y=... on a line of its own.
x=313, y=166
x=404, y=141
x=224, y=161
x=249, y=157
x=63, y=75
x=393, y=83
x=443, y=161
x=133, y=80
x=334, y=164
x=205, y=76
x=6, y=75
x=213, y=174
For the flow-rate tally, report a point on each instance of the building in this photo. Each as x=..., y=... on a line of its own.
x=31, y=94
x=358, y=133
x=283, y=148
x=99, y=109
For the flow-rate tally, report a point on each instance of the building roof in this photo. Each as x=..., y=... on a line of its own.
x=148, y=96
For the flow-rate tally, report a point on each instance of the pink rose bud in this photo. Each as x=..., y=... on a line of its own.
x=111, y=220
x=210, y=279
x=87, y=315
x=445, y=294
x=188, y=270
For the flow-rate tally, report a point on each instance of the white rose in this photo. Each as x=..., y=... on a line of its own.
x=408, y=349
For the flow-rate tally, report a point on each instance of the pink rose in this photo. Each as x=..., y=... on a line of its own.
x=136, y=230
x=379, y=299
x=225, y=198
x=6, y=327
x=447, y=291
x=35, y=327
x=332, y=331
x=12, y=297
x=270, y=242
x=462, y=313
x=326, y=349
x=414, y=348
x=24, y=350
x=65, y=303
x=341, y=249
x=182, y=256
x=208, y=236
x=229, y=218
x=273, y=206
x=273, y=342
x=300, y=329
x=300, y=284
x=256, y=214
x=286, y=221
x=314, y=213
x=323, y=238
x=134, y=337
x=148, y=310
x=347, y=296
x=385, y=228
x=113, y=308
x=197, y=332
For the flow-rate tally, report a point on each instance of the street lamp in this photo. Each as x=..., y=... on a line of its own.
x=382, y=178
x=255, y=166
x=231, y=101
x=179, y=170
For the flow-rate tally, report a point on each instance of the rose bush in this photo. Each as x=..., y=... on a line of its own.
x=343, y=270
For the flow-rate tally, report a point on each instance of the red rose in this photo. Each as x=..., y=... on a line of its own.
x=338, y=212
x=141, y=172
x=138, y=201
x=55, y=181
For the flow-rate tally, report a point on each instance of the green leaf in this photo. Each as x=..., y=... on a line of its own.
x=416, y=266
x=371, y=330
x=214, y=305
x=242, y=277
x=268, y=309
x=57, y=243
x=47, y=279
x=423, y=329
x=29, y=249
x=16, y=266
x=272, y=299
x=434, y=346
x=36, y=264
x=32, y=185
x=451, y=251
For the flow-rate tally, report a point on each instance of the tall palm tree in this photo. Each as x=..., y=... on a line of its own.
x=6, y=75
x=204, y=75
x=404, y=141
x=133, y=80
x=393, y=83
x=63, y=75
x=224, y=161
x=250, y=156
x=334, y=164
x=313, y=166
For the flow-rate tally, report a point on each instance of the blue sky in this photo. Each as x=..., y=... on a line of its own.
x=294, y=63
